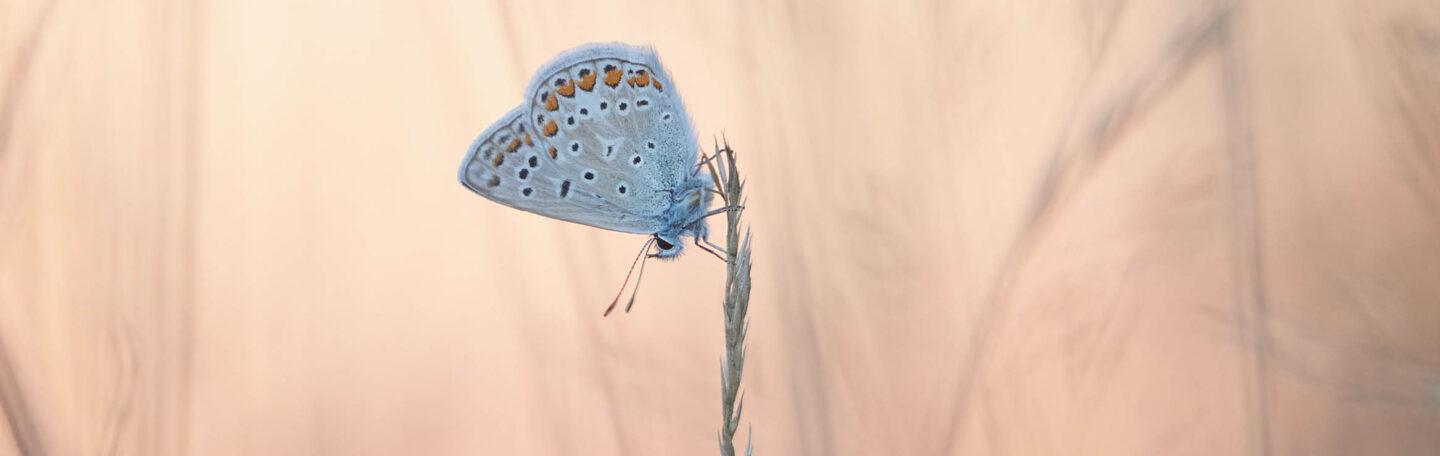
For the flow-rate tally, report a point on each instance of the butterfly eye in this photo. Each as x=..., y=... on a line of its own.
x=662, y=244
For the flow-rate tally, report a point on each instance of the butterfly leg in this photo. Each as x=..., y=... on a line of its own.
x=712, y=244
x=721, y=211
x=707, y=249
x=704, y=160
x=706, y=236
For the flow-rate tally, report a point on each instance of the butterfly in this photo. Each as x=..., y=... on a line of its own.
x=602, y=139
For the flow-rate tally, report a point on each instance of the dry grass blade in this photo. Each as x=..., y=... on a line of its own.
x=737, y=296
x=24, y=429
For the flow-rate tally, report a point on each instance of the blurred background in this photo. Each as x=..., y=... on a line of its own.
x=1049, y=227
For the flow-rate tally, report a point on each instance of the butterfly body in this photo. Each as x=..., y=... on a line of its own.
x=601, y=140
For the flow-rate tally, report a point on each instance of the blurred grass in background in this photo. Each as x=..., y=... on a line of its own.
x=1079, y=227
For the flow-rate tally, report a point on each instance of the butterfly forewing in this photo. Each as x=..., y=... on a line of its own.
x=508, y=165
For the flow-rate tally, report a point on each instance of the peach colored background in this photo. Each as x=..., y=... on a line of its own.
x=1049, y=227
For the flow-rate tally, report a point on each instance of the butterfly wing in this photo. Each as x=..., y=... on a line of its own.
x=507, y=165
x=603, y=140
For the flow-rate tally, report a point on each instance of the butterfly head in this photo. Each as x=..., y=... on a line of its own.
x=667, y=246
x=670, y=244
x=687, y=218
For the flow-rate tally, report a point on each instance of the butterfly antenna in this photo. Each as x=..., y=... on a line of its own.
x=644, y=249
x=636, y=290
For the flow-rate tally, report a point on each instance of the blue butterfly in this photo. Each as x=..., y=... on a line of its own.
x=601, y=140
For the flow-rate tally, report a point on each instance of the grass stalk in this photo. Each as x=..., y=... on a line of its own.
x=737, y=295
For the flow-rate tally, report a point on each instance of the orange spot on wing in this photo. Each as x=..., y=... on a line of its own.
x=499, y=158
x=527, y=140
x=551, y=103
x=657, y=86
x=568, y=90
x=514, y=144
x=494, y=181
x=612, y=77
x=552, y=152
x=587, y=82
x=550, y=128
x=640, y=80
